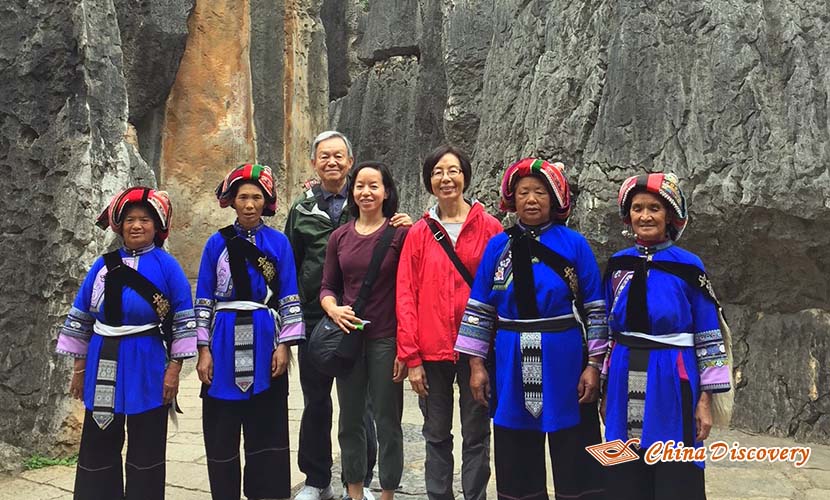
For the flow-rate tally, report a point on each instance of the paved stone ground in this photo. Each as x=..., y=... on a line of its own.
x=187, y=473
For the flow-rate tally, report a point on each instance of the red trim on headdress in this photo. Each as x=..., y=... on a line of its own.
x=552, y=175
x=664, y=185
x=260, y=174
x=159, y=202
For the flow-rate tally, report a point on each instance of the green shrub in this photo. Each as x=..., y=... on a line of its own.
x=39, y=461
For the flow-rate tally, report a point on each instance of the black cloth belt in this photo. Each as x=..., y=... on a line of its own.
x=546, y=325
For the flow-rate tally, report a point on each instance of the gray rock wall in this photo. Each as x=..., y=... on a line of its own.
x=268, y=20
x=413, y=58
x=730, y=95
x=153, y=37
x=63, y=117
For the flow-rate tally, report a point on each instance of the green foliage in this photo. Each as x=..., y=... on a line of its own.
x=39, y=461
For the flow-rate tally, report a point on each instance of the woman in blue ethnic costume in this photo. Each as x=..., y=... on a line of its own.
x=133, y=301
x=537, y=303
x=668, y=355
x=248, y=314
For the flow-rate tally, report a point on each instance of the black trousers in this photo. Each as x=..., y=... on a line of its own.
x=314, y=453
x=664, y=480
x=263, y=420
x=99, y=475
x=520, y=461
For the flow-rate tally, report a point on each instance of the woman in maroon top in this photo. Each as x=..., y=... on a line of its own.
x=373, y=201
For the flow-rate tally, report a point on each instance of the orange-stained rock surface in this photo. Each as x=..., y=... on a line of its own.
x=208, y=127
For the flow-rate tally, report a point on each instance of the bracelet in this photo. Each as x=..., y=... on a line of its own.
x=595, y=364
x=79, y=371
x=177, y=361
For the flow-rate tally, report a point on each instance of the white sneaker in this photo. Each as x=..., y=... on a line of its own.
x=312, y=493
x=367, y=494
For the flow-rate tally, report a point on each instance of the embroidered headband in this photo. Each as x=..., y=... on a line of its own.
x=259, y=174
x=550, y=173
x=667, y=186
x=158, y=201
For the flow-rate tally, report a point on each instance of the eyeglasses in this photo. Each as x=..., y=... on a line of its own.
x=453, y=172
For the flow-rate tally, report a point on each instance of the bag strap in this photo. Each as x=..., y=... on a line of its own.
x=241, y=250
x=113, y=287
x=120, y=275
x=374, y=268
x=441, y=238
x=694, y=276
x=637, y=307
x=555, y=261
x=236, y=260
x=524, y=284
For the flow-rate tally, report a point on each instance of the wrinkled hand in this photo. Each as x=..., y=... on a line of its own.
x=204, y=367
x=703, y=416
x=418, y=380
x=171, y=382
x=399, y=220
x=279, y=360
x=344, y=317
x=479, y=381
x=76, y=383
x=588, y=388
x=399, y=371
x=76, y=386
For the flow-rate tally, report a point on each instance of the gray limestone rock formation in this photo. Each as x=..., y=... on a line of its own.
x=153, y=36
x=730, y=95
x=381, y=122
x=267, y=18
x=63, y=117
x=419, y=84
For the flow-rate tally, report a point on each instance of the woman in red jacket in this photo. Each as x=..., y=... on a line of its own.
x=430, y=302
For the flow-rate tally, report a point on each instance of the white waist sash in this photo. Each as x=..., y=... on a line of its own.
x=105, y=330
x=676, y=339
x=239, y=305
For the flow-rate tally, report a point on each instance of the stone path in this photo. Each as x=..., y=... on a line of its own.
x=187, y=473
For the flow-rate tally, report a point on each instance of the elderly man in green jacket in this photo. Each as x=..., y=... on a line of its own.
x=311, y=220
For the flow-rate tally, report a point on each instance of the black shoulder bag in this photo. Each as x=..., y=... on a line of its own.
x=330, y=349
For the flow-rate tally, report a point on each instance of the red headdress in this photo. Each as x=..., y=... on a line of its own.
x=157, y=201
x=550, y=173
x=667, y=187
x=260, y=174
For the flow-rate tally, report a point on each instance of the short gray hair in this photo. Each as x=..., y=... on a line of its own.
x=329, y=134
